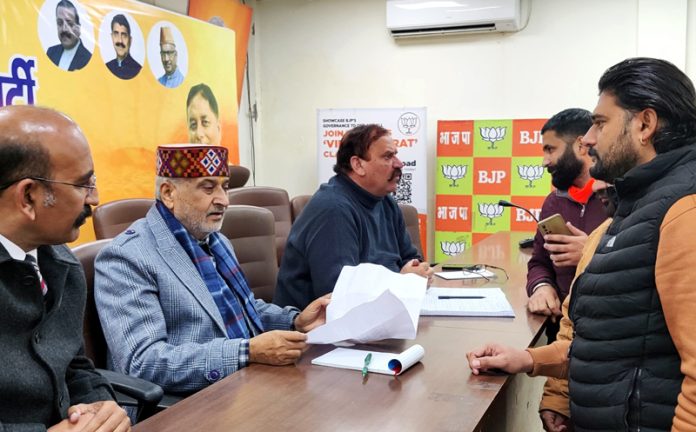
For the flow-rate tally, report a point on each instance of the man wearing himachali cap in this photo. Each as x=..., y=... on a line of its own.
x=173, y=301
x=172, y=75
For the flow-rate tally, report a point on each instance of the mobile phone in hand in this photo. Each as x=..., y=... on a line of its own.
x=554, y=224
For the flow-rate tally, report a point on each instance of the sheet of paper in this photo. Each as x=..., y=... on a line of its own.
x=369, y=303
x=383, y=363
x=492, y=303
x=454, y=275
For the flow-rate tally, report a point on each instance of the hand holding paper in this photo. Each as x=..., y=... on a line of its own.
x=371, y=303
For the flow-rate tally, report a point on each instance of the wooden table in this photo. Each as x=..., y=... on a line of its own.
x=440, y=393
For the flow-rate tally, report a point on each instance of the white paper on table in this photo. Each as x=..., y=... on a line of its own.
x=383, y=363
x=463, y=274
x=494, y=303
x=371, y=302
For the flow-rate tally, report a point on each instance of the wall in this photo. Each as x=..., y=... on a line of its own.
x=309, y=54
x=313, y=54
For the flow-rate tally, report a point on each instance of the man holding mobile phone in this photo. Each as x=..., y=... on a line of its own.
x=555, y=256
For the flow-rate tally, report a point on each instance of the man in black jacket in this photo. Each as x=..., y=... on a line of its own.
x=70, y=54
x=124, y=65
x=47, y=188
x=632, y=362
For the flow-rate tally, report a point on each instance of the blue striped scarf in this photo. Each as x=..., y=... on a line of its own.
x=226, y=282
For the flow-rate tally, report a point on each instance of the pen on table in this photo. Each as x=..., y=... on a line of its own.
x=368, y=358
x=445, y=297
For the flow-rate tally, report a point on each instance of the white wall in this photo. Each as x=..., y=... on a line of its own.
x=309, y=54
x=313, y=54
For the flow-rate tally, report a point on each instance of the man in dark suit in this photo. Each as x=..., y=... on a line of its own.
x=47, y=189
x=123, y=66
x=70, y=54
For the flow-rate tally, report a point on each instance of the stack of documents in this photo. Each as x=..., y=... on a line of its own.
x=489, y=302
x=383, y=363
x=369, y=303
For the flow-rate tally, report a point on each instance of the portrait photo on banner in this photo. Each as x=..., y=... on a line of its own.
x=133, y=76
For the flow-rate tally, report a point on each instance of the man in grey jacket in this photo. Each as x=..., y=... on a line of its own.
x=175, y=307
x=47, y=188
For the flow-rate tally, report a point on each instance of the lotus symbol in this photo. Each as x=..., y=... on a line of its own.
x=408, y=123
x=452, y=248
x=492, y=135
x=454, y=173
x=530, y=173
x=490, y=211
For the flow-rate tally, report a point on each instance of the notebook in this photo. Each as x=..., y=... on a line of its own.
x=479, y=302
x=382, y=363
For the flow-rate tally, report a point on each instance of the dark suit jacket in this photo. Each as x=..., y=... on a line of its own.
x=43, y=368
x=129, y=68
x=82, y=56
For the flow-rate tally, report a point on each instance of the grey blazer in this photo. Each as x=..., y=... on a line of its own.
x=159, y=319
x=43, y=368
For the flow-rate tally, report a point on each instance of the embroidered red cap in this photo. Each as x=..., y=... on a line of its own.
x=192, y=161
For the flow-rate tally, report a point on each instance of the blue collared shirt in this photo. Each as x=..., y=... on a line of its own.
x=173, y=80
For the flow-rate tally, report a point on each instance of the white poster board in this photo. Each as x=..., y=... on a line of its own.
x=407, y=126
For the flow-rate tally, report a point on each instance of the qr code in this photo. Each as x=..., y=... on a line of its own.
x=404, y=190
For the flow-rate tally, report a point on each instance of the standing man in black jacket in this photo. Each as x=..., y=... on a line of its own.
x=47, y=189
x=632, y=362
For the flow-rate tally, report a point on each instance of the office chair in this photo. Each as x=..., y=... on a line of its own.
x=238, y=176
x=130, y=391
x=411, y=218
x=297, y=204
x=274, y=199
x=112, y=218
x=251, y=231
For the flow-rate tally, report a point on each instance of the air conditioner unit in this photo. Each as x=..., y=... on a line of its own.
x=410, y=18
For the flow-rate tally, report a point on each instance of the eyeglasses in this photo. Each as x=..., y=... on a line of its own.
x=90, y=187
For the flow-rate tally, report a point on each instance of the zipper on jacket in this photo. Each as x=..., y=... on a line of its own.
x=632, y=416
x=582, y=210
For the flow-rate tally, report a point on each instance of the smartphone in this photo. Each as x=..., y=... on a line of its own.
x=554, y=224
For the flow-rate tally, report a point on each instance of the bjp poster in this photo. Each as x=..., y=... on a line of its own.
x=407, y=128
x=233, y=15
x=133, y=76
x=479, y=163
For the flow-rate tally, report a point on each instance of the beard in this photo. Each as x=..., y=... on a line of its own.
x=567, y=169
x=623, y=159
x=196, y=223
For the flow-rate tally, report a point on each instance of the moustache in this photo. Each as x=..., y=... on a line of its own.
x=397, y=171
x=87, y=212
x=66, y=35
x=593, y=152
x=216, y=210
x=120, y=45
